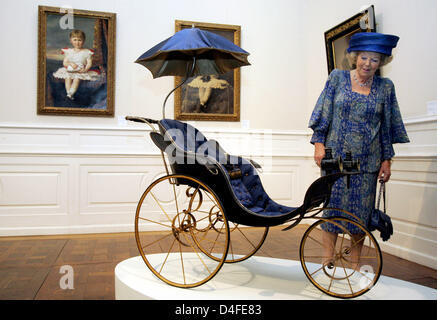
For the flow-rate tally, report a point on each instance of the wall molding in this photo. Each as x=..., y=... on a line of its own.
x=134, y=140
x=420, y=119
x=57, y=179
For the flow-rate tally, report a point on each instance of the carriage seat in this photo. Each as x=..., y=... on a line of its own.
x=247, y=186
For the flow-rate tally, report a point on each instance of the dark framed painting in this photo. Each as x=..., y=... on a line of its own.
x=209, y=98
x=337, y=38
x=76, y=62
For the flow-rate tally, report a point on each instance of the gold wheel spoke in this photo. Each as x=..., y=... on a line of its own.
x=347, y=277
x=202, y=211
x=201, y=219
x=211, y=241
x=317, y=270
x=313, y=257
x=332, y=278
x=317, y=241
x=159, y=204
x=166, y=257
x=361, y=239
x=216, y=238
x=241, y=231
x=342, y=241
x=176, y=201
x=182, y=263
x=198, y=256
x=153, y=221
x=364, y=275
x=156, y=241
x=231, y=248
x=208, y=195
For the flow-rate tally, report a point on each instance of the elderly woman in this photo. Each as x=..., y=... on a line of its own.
x=358, y=112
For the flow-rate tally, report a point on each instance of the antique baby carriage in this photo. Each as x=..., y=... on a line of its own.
x=210, y=208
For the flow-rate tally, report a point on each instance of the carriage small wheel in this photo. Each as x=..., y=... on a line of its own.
x=174, y=234
x=244, y=241
x=347, y=270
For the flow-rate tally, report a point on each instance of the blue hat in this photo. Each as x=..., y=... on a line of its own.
x=373, y=41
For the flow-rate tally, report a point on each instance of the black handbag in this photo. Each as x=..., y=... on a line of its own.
x=378, y=219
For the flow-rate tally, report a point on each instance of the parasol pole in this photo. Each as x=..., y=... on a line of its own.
x=189, y=73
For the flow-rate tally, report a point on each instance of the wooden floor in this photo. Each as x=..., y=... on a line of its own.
x=30, y=266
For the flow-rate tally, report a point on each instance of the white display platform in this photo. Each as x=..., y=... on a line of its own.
x=258, y=278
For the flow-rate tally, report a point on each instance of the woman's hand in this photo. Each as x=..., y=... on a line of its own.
x=319, y=153
x=385, y=171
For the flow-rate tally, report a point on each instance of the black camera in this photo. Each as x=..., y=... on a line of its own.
x=350, y=165
x=330, y=165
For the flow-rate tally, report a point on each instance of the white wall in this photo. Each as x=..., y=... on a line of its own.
x=271, y=84
x=62, y=174
x=285, y=39
x=414, y=67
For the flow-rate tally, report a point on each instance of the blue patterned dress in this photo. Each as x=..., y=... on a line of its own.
x=367, y=126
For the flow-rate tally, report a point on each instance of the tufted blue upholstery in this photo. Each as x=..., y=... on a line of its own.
x=186, y=136
x=248, y=189
x=251, y=194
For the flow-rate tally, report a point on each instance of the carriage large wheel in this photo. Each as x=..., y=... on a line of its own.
x=179, y=253
x=345, y=272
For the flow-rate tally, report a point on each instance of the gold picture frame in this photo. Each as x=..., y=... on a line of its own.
x=337, y=38
x=75, y=80
x=221, y=101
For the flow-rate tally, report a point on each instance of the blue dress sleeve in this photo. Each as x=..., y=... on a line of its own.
x=321, y=117
x=392, y=128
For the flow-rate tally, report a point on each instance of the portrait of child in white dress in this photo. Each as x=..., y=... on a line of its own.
x=76, y=64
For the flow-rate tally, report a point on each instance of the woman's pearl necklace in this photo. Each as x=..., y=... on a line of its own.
x=366, y=83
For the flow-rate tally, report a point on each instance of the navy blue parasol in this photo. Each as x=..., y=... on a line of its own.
x=214, y=54
x=192, y=52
